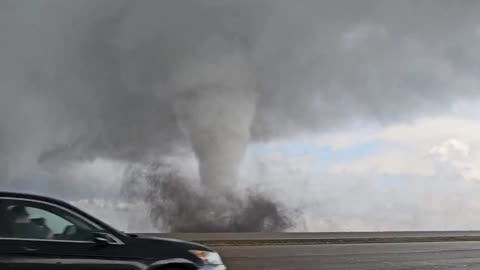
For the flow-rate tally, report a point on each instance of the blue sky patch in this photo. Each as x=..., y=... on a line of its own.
x=324, y=154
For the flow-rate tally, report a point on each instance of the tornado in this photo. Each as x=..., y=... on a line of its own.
x=215, y=105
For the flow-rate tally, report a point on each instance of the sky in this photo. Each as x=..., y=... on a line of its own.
x=351, y=115
x=417, y=175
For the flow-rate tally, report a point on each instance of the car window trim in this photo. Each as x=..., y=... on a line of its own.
x=117, y=241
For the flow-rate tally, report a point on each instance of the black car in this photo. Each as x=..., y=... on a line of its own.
x=37, y=232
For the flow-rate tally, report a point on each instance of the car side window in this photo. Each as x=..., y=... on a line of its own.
x=36, y=220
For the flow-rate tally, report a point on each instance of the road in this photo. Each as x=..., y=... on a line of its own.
x=404, y=256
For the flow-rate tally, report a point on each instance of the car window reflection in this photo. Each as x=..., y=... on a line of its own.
x=36, y=221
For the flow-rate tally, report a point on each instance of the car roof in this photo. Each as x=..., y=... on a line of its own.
x=31, y=196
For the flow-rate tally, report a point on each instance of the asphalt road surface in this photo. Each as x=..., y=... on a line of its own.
x=405, y=256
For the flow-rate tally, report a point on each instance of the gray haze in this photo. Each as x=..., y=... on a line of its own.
x=136, y=80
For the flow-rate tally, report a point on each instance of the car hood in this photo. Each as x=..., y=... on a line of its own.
x=170, y=242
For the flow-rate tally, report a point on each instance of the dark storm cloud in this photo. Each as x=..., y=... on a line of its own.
x=104, y=69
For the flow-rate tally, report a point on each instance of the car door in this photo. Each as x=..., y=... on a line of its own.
x=6, y=256
x=68, y=244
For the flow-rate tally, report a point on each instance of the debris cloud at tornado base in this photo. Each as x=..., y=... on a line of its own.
x=133, y=81
x=176, y=204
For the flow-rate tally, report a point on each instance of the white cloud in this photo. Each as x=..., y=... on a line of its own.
x=408, y=148
x=423, y=177
x=456, y=155
x=451, y=149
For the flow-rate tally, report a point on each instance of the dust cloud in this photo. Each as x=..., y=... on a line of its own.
x=176, y=204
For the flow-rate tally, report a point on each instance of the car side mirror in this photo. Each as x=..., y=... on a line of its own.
x=101, y=239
